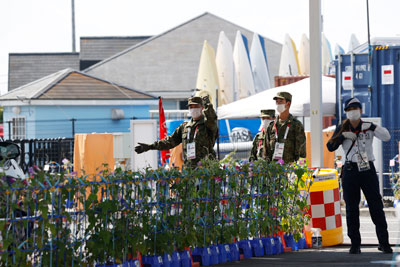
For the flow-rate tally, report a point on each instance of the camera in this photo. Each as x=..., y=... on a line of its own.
x=348, y=166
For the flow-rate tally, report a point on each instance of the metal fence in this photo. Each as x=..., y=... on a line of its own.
x=41, y=152
x=67, y=220
x=35, y=129
x=238, y=145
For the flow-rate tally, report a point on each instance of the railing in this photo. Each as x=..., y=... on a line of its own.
x=40, y=152
x=61, y=219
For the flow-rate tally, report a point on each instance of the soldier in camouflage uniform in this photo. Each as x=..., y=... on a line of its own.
x=285, y=138
x=258, y=150
x=197, y=136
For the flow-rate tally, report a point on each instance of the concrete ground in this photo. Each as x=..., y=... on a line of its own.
x=332, y=256
x=367, y=228
x=339, y=255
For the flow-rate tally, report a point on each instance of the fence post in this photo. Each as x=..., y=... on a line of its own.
x=31, y=152
x=9, y=130
x=60, y=156
x=73, y=127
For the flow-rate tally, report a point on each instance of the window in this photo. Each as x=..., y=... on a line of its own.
x=183, y=105
x=18, y=128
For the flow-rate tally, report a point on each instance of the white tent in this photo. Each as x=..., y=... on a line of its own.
x=250, y=107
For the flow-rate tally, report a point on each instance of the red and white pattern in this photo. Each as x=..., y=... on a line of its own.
x=325, y=209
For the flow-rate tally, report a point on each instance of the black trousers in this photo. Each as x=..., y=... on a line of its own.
x=367, y=181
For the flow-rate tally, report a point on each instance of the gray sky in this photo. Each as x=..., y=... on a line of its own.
x=45, y=25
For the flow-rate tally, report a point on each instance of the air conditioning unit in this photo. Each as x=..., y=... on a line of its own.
x=122, y=146
x=117, y=114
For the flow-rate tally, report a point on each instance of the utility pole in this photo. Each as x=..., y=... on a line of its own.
x=315, y=83
x=73, y=25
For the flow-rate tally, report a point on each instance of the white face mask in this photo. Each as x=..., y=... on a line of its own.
x=280, y=108
x=265, y=123
x=353, y=115
x=195, y=112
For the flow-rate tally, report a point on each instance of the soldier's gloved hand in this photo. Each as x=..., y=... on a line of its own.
x=206, y=100
x=142, y=148
x=350, y=135
x=368, y=126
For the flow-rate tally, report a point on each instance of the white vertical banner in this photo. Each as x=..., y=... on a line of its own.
x=315, y=83
x=143, y=131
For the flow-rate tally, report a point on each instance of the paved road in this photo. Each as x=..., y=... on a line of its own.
x=333, y=256
x=339, y=255
x=367, y=228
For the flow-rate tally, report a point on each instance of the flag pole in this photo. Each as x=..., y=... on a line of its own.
x=165, y=154
x=216, y=111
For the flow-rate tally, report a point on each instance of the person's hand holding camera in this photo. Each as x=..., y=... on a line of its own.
x=368, y=126
x=349, y=135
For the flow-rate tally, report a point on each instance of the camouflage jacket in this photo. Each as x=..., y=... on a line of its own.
x=203, y=133
x=257, y=151
x=295, y=143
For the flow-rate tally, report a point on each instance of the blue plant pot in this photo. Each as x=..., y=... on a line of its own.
x=274, y=247
x=167, y=260
x=281, y=244
x=130, y=263
x=278, y=244
x=290, y=242
x=214, y=255
x=235, y=251
x=176, y=259
x=202, y=255
x=224, y=253
x=152, y=261
x=257, y=247
x=245, y=248
x=267, y=245
x=185, y=259
x=302, y=243
x=133, y=263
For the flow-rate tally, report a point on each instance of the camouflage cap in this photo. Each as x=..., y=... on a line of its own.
x=283, y=95
x=194, y=100
x=267, y=113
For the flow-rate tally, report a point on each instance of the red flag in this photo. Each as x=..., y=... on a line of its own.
x=163, y=130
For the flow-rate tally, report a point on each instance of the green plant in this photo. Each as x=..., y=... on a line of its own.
x=105, y=218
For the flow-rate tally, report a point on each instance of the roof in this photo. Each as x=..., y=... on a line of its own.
x=70, y=84
x=169, y=61
x=383, y=41
x=28, y=67
x=101, y=47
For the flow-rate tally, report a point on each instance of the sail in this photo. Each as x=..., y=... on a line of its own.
x=225, y=70
x=207, y=76
x=289, y=65
x=243, y=73
x=259, y=65
x=304, y=55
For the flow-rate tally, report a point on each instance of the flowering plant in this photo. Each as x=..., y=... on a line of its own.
x=71, y=219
